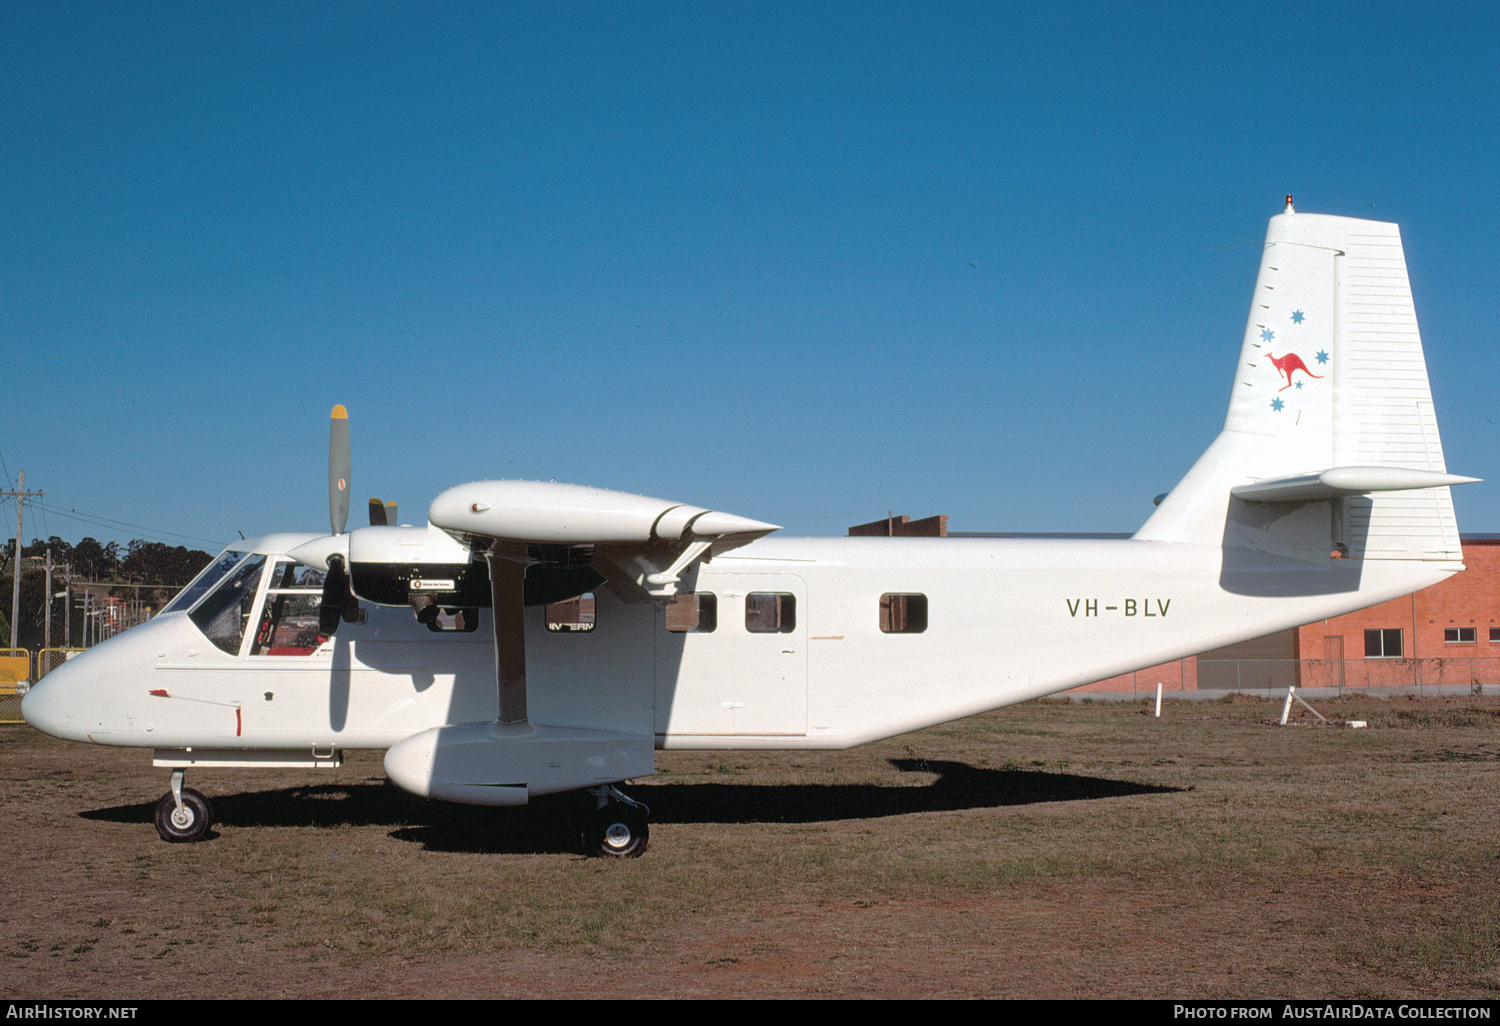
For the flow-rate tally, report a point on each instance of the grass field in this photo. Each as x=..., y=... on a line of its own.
x=1046, y=850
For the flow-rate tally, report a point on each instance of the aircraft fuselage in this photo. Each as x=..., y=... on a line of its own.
x=1001, y=621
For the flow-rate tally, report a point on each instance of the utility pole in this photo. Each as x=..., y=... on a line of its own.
x=21, y=495
x=47, y=609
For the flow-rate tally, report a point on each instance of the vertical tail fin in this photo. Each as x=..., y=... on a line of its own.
x=1330, y=375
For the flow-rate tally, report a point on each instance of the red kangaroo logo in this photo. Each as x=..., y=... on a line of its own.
x=1289, y=363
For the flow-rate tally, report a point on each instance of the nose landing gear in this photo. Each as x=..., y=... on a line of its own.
x=183, y=815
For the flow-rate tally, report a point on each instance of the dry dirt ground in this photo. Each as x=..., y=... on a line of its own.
x=1046, y=850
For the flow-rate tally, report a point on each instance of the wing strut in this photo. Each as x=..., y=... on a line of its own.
x=507, y=564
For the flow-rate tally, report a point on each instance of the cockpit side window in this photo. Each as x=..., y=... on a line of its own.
x=297, y=576
x=222, y=615
x=288, y=624
x=204, y=581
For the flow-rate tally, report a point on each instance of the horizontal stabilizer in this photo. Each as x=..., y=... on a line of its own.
x=1340, y=481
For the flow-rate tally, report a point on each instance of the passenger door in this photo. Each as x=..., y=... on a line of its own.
x=748, y=676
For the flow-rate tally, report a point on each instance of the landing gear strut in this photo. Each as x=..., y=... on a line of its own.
x=616, y=826
x=183, y=815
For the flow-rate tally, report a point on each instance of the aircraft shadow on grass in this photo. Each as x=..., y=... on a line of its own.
x=548, y=823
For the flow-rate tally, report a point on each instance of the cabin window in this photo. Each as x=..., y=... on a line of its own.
x=1458, y=634
x=770, y=612
x=1383, y=644
x=223, y=614
x=288, y=623
x=572, y=616
x=200, y=585
x=693, y=612
x=903, y=614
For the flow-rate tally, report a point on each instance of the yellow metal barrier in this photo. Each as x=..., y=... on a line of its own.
x=15, y=673
x=49, y=659
x=15, y=665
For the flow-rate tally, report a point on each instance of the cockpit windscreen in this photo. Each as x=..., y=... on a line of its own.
x=204, y=581
x=223, y=614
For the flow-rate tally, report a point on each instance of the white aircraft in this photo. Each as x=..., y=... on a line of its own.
x=563, y=634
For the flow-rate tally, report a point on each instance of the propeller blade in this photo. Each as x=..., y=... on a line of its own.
x=338, y=469
x=390, y=514
x=377, y=513
x=338, y=601
x=335, y=587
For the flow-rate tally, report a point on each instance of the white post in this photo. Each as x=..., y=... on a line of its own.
x=1287, y=708
x=1158, y=699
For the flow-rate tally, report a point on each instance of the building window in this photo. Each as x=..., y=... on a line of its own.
x=1458, y=634
x=1494, y=635
x=1383, y=644
x=903, y=614
x=694, y=612
x=571, y=616
x=770, y=612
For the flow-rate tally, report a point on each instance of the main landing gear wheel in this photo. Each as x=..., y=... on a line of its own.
x=617, y=828
x=186, y=824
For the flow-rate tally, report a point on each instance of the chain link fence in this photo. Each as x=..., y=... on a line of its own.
x=49, y=659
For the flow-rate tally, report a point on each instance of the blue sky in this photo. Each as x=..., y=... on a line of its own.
x=802, y=264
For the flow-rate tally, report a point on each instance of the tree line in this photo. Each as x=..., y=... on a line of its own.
x=139, y=562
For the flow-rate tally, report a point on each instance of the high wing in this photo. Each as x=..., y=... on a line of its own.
x=636, y=541
x=507, y=545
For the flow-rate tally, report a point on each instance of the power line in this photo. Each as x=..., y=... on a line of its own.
x=106, y=522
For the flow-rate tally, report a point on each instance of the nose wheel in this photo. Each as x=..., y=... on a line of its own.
x=182, y=814
x=616, y=827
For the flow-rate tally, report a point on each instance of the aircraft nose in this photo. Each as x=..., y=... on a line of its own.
x=42, y=706
x=101, y=696
x=68, y=702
